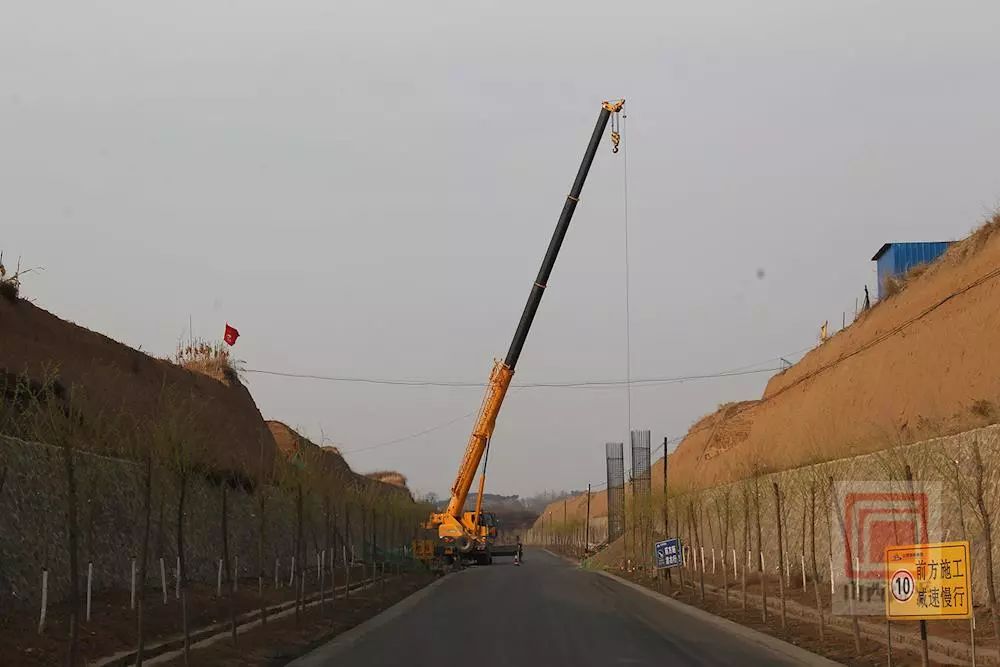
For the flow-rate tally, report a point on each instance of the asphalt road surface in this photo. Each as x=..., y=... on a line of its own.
x=547, y=612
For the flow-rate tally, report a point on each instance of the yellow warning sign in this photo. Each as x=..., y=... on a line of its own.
x=928, y=581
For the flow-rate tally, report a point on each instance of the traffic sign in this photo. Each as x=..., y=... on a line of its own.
x=928, y=581
x=668, y=553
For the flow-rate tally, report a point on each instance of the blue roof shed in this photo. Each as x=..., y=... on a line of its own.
x=895, y=259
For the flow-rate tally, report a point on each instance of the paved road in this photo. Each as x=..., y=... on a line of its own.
x=545, y=612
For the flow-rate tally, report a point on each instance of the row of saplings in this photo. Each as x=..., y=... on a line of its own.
x=350, y=523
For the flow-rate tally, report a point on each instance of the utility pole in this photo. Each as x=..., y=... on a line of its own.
x=586, y=538
x=666, y=524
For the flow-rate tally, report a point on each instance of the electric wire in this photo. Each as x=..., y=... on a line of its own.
x=848, y=355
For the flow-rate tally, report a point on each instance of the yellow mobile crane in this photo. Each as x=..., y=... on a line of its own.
x=469, y=533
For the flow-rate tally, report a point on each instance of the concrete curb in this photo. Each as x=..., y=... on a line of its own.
x=799, y=655
x=325, y=654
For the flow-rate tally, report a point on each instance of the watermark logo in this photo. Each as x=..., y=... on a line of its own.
x=866, y=518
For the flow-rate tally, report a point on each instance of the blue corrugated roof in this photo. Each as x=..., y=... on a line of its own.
x=886, y=246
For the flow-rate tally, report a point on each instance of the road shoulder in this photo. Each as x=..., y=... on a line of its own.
x=800, y=655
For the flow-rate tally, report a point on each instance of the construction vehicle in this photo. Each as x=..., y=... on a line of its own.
x=469, y=535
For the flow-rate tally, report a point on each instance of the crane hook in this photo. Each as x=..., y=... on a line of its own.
x=616, y=136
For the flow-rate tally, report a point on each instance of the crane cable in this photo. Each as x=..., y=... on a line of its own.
x=617, y=132
x=615, y=138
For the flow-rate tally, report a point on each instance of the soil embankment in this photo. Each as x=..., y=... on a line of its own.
x=115, y=380
x=920, y=364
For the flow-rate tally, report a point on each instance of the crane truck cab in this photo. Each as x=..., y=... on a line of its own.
x=475, y=540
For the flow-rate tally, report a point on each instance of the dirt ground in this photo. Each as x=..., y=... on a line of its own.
x=284, y=639
x=838, y=644
x=112, y=627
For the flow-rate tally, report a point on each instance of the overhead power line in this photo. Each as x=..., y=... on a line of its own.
x=580, y=384
x=412, y=435
x=989, y=275
x=743, y=370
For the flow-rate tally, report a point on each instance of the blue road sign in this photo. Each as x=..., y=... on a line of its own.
x=668, y=553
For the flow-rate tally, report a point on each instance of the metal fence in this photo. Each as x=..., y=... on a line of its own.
x=640, y=465
x=616, y=490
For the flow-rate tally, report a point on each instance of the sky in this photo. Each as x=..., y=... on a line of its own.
x=366, y=189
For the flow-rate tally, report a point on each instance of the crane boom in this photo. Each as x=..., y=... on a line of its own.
x=449, y=521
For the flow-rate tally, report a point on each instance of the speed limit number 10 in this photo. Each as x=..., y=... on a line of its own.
x=901, y=585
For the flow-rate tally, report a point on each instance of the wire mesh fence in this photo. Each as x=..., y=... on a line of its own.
x=616, y=489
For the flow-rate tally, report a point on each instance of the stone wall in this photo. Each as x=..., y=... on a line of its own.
x=33, y=522
x=949, y=460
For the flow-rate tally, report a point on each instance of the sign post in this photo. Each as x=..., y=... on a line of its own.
x=928, y=582
x=668, y=553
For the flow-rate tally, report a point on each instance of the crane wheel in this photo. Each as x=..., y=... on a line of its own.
x=463, y=544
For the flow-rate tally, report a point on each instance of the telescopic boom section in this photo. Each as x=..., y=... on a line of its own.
x=503, y=371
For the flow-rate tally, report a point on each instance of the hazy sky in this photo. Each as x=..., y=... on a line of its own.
x=367, y=188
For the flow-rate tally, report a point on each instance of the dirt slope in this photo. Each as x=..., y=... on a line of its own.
x=919, y=364
x=291, y=444
x=116, y=377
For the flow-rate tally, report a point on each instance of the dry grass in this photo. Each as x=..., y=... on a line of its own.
x=388, y=477
x=211, y=359
x=10, y=288
x=973, y=243
x=895, y=284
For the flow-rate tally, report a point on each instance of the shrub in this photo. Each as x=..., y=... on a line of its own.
x=211, y=359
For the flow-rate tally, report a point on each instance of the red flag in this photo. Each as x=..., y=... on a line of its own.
x=231, y=335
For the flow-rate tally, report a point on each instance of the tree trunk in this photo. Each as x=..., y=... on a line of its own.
x=230, y=588
x=364, y=541
x=348, y=551
x=261, y=524
x=802, y=535
x=326, y=550
x=74, y=565
x=815, y=569
x=159, y=526
x=855, y=626
x=333, y=562
x=147, y=511
x=698, y=547
x=781, y=553
x=182, y=573
x=298, y=556
x=677, y=531
x=691, y=542
x=760, y=551
x=724, y=526
x=984, y=517
x=746, y=546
